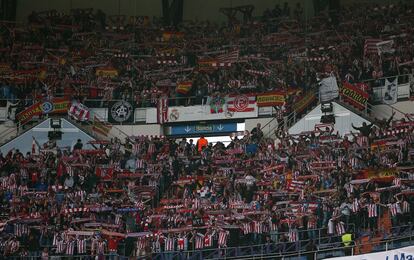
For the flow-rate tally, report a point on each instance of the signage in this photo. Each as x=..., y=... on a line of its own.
x=304, y=102
x=271, y=99
x=203, y=129
x=53, y=106
x=354, y=95
x=241, y=103
x=400, y=253
x=120, y=112
x=199, y=113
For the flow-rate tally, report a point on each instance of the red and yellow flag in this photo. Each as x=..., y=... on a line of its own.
x=184, y=87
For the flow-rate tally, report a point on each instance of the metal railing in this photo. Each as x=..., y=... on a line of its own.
x=404, y=236
x=290, y=119
x=18, y=129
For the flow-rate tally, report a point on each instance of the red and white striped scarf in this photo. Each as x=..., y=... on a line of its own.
x=139, y=164
x=182, y=243
x=208, y=240
x=21, y=229
x=258, y=227
x=199, y=241
x=100, y=247
x=247, y=228
x=141, y=243
x=70, y=247
x=169, y=244
x=355, y=205
x=81, y=246
x=405, y=207
x=222, y=238
x=293, y=235
x=372, y=210
x=340, y=228
x=395, y=209
x=60, y=247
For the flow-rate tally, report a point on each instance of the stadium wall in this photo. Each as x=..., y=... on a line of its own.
x=400, y=108
x=344, y=119
x=268, y=124
x=136, y=130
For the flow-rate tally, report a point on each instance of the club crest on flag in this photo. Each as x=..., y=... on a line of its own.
x=121, y=112
x=216, y=105
x=47, y=107
x=241, y=103
x=174, y=115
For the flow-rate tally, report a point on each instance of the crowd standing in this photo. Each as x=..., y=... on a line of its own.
x=156, y=194
x=87, y=54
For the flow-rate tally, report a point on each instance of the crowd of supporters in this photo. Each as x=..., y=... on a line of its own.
x=91, y=55
x=154, y=194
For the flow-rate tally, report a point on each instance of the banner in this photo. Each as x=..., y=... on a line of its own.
x=54, y=106
x=400, y=254
x=206, y=64
x=370, y=46
x=167, y=36
x=184, y=87
x=354, y=95
x=120, y=112
x=162, y=111
x=101, y=127
x=241, y=103
x=304, y=102
x=271, y=99
x=198, y=113
x=385, y=47
x=378, y=174
x=107, y=72
x=79, y=111
x=328, y=89
x=216, y=104
x=391, y=92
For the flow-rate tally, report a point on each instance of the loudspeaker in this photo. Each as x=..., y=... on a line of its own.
x=328, y=119
x=327, y=108
x=55, y=135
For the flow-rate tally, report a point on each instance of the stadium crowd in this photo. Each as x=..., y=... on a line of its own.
x=90, y=55
x=153, y=194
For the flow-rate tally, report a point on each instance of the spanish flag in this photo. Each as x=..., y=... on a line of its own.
x=184, y=87
x=101, y=127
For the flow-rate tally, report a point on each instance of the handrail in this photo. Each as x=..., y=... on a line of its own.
x=91, y=125
x=18, y=129
x=291, y=120
x=398, y=75
x=395, y=109
x=337, y=246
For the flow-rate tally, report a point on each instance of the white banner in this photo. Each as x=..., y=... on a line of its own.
x=328, y=89
x=401, y=253
x=198, y=113
x=390, y=92
x=385, y=47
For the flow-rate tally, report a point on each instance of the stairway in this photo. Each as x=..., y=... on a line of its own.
x=86, y=127
x=363, y=114
x=9, y=130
